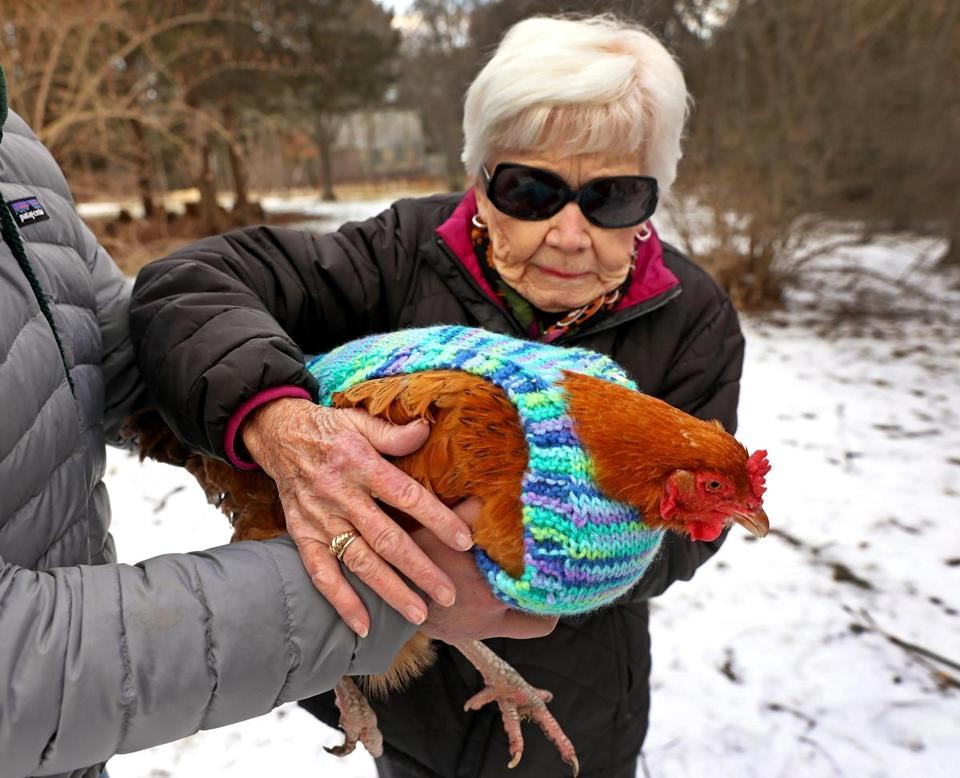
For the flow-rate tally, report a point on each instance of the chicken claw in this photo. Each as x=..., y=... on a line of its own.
x=517, y=700
x=357, y=720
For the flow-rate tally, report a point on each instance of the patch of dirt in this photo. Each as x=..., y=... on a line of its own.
x=134, y=242
x=843, y=574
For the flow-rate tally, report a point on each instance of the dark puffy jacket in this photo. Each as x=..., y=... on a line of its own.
x=229, y=316
x=100, y=658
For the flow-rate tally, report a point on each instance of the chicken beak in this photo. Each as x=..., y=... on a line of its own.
x=756, y=522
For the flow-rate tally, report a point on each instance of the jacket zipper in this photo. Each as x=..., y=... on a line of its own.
x=636, y=311
x=11, y=236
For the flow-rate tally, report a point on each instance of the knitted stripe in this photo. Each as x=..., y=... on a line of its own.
x=582, y=550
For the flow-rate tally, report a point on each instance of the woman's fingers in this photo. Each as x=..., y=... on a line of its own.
x=380, y=577
x=382, y=543
x=389, y=542
x=324, y=570
x=523, y=626
x=395, y=440
x=469, y=510
x=330, y=471
x=394, y=487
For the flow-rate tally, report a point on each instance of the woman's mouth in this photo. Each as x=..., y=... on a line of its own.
x=559, y=273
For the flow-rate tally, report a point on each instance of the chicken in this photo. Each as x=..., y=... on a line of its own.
x=678, y=473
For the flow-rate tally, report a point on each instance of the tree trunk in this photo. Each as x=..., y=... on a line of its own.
x=207, y=207
x=145, y=185
x=324, y=140
x=951, y=258
x=454, y=169
x=238, y=170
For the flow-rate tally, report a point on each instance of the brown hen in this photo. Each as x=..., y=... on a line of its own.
x=682, y=473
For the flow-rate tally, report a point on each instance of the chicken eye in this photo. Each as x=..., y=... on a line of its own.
x=714, y=486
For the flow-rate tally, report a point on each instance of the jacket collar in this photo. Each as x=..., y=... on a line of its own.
x=651, y=278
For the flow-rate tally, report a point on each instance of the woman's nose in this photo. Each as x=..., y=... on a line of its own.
x=568, y=230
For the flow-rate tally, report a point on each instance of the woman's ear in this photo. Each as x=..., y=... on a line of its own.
x=484, y=206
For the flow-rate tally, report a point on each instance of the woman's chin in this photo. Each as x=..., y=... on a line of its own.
x=561, y=297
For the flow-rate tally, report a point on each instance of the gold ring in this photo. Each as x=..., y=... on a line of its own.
x=338, y=545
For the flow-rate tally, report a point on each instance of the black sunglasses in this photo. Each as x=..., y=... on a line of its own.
x=532, y=194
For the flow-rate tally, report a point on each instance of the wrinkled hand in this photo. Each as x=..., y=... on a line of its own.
x=477, y=613
x=329, y=472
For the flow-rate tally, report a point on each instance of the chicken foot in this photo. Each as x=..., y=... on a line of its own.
x=357, y=720
x=517, y=700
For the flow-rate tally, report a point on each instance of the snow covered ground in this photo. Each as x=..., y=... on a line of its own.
x=799, y=655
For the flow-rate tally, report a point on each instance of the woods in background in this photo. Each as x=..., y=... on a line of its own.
x=165, y=93
x=805, y=110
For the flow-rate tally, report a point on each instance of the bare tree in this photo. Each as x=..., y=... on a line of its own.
x=816, y=110
x=440, y=61
x=348, y=51
x=662, y=17
x=119, y=79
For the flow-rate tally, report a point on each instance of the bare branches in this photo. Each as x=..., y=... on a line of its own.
x=932, y=660
x=80, y=105
x=802, y=115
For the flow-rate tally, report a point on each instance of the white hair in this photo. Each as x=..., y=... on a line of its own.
x=596, y=85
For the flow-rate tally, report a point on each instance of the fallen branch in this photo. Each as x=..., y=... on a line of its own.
x=923, y=654
x=858, y=273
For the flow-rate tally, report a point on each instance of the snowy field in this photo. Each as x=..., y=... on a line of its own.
x=818, y=651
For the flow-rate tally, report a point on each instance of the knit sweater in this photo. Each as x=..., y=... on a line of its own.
x=582, y=550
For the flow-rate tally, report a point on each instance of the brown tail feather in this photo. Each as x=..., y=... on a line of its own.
x=249, y=499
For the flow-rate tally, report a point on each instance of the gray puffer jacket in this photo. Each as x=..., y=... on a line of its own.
x=99, y=658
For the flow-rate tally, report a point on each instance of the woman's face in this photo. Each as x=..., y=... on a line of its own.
x=562, y=262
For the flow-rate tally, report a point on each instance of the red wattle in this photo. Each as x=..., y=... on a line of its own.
x=704, y=530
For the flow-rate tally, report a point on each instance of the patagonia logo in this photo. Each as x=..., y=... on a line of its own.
x=27, y=210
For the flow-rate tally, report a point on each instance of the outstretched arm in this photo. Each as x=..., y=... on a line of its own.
x=219, y=328
x=116, y=658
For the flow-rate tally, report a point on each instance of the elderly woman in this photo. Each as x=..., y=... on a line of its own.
x=572, y=133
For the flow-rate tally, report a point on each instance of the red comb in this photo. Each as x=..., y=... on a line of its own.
x=757, y=468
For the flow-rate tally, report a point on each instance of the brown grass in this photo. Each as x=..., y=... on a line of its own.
x=134, y=242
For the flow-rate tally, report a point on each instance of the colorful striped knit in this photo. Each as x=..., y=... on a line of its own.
x=582, y=549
